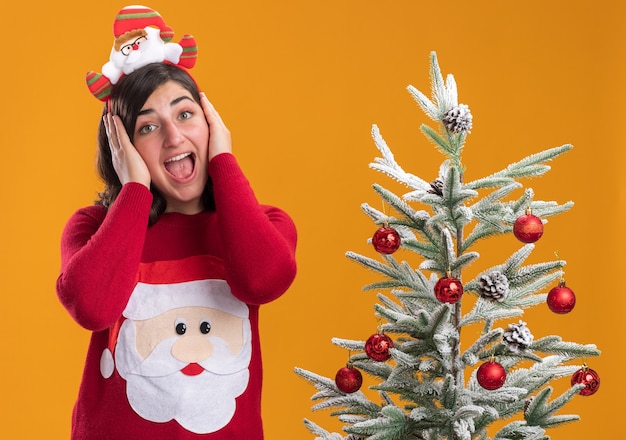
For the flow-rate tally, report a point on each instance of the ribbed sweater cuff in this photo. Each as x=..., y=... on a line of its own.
x=224, y=164
x=135, y=197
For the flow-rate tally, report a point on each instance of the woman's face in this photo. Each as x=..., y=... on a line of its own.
x=172, y=136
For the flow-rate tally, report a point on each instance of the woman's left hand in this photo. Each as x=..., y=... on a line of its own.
x=219, y=135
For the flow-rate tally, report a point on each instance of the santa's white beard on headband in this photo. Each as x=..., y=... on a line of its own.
x=158, y=391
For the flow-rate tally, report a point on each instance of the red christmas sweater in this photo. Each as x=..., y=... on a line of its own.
x=173, y=308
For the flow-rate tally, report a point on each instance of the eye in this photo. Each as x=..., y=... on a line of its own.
x=181, y=327
x=147, y=129
x=185, y=115
x=205, y=327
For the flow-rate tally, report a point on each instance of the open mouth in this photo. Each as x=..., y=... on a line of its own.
x=182, y=166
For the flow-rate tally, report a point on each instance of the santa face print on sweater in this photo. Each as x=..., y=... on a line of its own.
x=184, y=350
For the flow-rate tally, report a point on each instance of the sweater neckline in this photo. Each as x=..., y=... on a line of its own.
x=177, y=219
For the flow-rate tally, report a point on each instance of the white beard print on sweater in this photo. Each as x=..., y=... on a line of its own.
x=150, y=358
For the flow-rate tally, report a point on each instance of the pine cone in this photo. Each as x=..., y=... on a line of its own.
x=458, y=119
x=436, y=187
x=527, y=403
x=518, y=338
x=494, y=286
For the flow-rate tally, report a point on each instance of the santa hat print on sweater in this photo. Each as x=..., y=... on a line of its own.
x=141, y=37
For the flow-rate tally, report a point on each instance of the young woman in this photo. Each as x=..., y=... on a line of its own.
x=168, y=271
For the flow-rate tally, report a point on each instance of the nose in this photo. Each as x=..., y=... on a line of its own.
x=172, y=135
x=192, y=348
x=135, y=46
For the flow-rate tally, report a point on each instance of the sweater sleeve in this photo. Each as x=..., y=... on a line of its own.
x=259, y=241
x=100, y=255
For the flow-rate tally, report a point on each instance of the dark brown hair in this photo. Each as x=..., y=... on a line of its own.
x=128, y=97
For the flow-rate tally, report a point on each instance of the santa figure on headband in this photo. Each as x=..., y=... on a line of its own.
x=141, y=38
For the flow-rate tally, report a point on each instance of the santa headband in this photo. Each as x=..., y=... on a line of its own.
x=141, y=37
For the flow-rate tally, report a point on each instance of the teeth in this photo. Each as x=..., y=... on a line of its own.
x=179, y=157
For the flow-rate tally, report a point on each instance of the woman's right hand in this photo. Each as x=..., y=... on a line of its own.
x=127, y=162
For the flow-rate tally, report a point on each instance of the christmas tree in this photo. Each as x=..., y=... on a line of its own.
x=428, y=385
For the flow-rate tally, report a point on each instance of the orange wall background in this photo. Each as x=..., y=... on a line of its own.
x=300, y=84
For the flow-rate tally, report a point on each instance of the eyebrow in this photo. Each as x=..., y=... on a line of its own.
x=172, y=104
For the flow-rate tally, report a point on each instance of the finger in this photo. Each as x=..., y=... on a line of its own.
x=115, y=132
x=119, y=133
x=108, y=130
x=209, y=110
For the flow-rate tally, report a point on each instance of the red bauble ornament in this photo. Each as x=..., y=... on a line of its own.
x=589, y=378
x=528, y=228
x=386, y=240
x=348, y=379
x=377, y=347
x=491, y=375
x=561, y=299
x=448, y=289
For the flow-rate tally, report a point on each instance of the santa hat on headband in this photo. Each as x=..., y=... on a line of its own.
x=136, y=17
x=141, y=37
